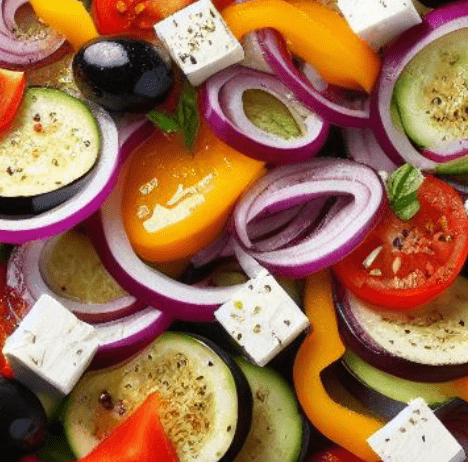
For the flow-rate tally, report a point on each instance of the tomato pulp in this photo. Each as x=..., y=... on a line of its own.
x=403, y=264
x=116, y=16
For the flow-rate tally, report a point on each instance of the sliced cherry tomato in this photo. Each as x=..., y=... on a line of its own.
x=402, y=264
x=116, y=16
x=335, y=454
x=12, y=86
x=7, y=322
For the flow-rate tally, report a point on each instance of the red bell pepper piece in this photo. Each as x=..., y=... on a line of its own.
x=139, y=438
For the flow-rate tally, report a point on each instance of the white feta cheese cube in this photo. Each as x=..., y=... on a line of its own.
x=262, y=318
x=416, y=435
x=199, y=41
x=51, y=345
x=379, y=21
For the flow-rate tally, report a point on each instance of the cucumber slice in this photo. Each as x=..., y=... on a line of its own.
x=432, y=91
x=391, y=386
x=207, y=402
x=278, y=432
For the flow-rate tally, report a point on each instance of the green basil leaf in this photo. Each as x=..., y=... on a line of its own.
x=187, y=115
x=168, y=123
x=402, y=187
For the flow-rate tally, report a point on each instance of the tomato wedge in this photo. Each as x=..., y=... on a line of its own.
x=12, y=86
x=116, y=16
x=403, y=264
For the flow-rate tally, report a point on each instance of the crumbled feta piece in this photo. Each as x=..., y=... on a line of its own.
x=199, y=41
x=262, y=318
x=51, y=345
x=379, y=21
x=416, y=435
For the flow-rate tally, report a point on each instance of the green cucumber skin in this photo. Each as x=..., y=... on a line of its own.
x=275, y=399
x=414, y=97
x=80, y=435
x=391, y=386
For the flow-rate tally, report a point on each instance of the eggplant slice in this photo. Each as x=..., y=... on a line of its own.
x=426, y=345
x=47, y=155
x=207, y=401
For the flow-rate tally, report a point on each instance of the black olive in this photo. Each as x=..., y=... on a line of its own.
x=22, y=421
x=435, y=3
x=122, y=74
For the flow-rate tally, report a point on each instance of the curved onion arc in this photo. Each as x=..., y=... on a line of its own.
x=330, y=102
x=18, y=54
x=358, y=193
x=223, y=109
x=120, y=339
x=439, y=22
x=63, y=217
x=25, y=278
x=137, y=278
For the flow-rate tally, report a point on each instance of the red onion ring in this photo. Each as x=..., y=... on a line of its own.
x=137, y=278
x=222, y=105
x=80, y=206
x=23, y=53
x=338, y=106
x=311, y=245
x=118, y=340
x=25, y=279
x=394, y=142
x=362, y=146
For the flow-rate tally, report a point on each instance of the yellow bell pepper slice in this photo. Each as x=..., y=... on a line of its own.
x=68, y=17
x=323, y=346
x=326, y=42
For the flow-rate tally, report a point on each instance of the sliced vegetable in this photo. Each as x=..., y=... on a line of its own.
x=358, y=66
x=25, y=42
x=347, y=427
x=123, y=74
x=175, y=203
x=206, y=403
x=335, y=203
x=426, y=344
x=46, y=158
x=12, y=86
x=402, y=264
x=256, y=114
x=67, y=268
x=278, y=432
x=69, y=17
x=83, y=203
x=420, y=69
x=137, y=16
x=343, y=107
x=140, y=437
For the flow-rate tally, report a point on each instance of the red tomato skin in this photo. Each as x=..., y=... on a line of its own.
x=334, y=454
x=136, y=17
x=441, y=225
x=12, y=87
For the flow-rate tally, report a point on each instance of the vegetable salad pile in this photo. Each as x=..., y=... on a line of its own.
x=233, y=231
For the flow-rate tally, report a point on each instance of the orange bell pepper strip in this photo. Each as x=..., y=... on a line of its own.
x=68, y=17
x=326, y=42
x=176, y=202
x=140, y=438
x=323, y=346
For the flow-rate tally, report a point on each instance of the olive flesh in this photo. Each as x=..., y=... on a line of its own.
x=122, y=74
x=22, y=421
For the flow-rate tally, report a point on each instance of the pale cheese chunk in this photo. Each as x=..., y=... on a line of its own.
x=262, y=318
x=379, y=21
x=51, y=345
x=199, y=41
x=416, y=435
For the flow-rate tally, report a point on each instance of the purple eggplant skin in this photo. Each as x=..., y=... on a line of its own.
x=354, y=337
